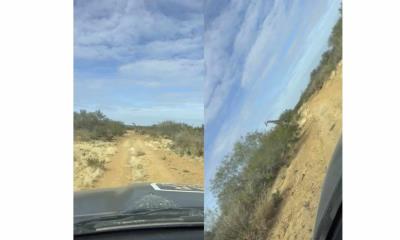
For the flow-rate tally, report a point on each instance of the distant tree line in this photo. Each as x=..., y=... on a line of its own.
x=187, y=140
x=96, y=126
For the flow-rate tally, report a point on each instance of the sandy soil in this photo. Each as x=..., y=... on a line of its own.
x=86, y=174
x=141, y=158
x=300, y=183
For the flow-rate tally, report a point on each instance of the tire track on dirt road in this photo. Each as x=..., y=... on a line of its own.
x=117, y=171
x=141, y=158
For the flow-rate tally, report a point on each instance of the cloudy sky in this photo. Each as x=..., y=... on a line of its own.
x=258, y=56
x=140, y=60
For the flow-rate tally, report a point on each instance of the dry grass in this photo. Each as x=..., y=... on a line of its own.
x=140, y=153
x=185, y=139
x=90, y=159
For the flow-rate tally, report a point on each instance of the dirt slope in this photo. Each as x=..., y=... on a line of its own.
x=140, y=158
x=300, y=183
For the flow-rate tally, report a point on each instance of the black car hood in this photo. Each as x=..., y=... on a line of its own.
x=136, y=196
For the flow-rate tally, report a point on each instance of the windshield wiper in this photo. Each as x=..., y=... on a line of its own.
x=140, y=216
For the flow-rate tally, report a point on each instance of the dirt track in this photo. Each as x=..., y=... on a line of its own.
x=140, y=158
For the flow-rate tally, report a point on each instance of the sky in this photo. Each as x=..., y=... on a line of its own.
x=258, y=56
x=140, y=61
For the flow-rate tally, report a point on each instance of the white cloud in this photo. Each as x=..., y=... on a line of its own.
x=228, y=40
x=218, y=35
x=243, y=42
x=178, y=47
x=134, y=59
x=116, y=29
x=165, y=72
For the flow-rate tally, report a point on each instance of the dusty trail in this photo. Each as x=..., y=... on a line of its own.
x=117, y=170
x=141, y=158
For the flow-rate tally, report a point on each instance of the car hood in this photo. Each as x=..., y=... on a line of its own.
x=136, y=196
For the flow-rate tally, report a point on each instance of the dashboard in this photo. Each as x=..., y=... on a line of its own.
x=192, y=233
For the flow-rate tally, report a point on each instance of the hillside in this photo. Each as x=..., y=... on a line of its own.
x=269, y=186
x=300, y=183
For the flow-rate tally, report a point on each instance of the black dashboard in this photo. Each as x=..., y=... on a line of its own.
x=192, y=233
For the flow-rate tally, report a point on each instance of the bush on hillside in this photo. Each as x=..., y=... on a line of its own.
x=328, y=63
x=243, y=177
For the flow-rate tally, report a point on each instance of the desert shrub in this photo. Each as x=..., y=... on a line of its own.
x=82, y=135
x=95, y=125
x=276, y=198
x=328, y=63
x=140, y=153
x=244, y=177
x=186, y=139
x=95, y=163
x=262, y=218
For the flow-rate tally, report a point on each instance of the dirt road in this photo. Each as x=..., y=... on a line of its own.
x=300, y=183
x=141, y=158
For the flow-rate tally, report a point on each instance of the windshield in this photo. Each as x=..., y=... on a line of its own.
x=138, y=114
x=271, y=136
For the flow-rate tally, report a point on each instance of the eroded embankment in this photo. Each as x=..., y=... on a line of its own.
x=300, y=182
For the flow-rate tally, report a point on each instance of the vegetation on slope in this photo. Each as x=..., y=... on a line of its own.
x=243, y=181
x=243, y=177
x=328, y=63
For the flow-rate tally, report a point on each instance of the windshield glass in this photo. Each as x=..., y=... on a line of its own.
x=138, y=113
x=272, y=132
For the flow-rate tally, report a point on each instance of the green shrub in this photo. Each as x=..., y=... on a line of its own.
x=96, y=126
x=328, y=63
x=95, y=163
x=186, y=139
x=140, y=153
x=276, y=198
x=245, y=176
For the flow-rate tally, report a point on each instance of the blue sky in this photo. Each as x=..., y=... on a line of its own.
x=258, y=56
x=140, y=60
